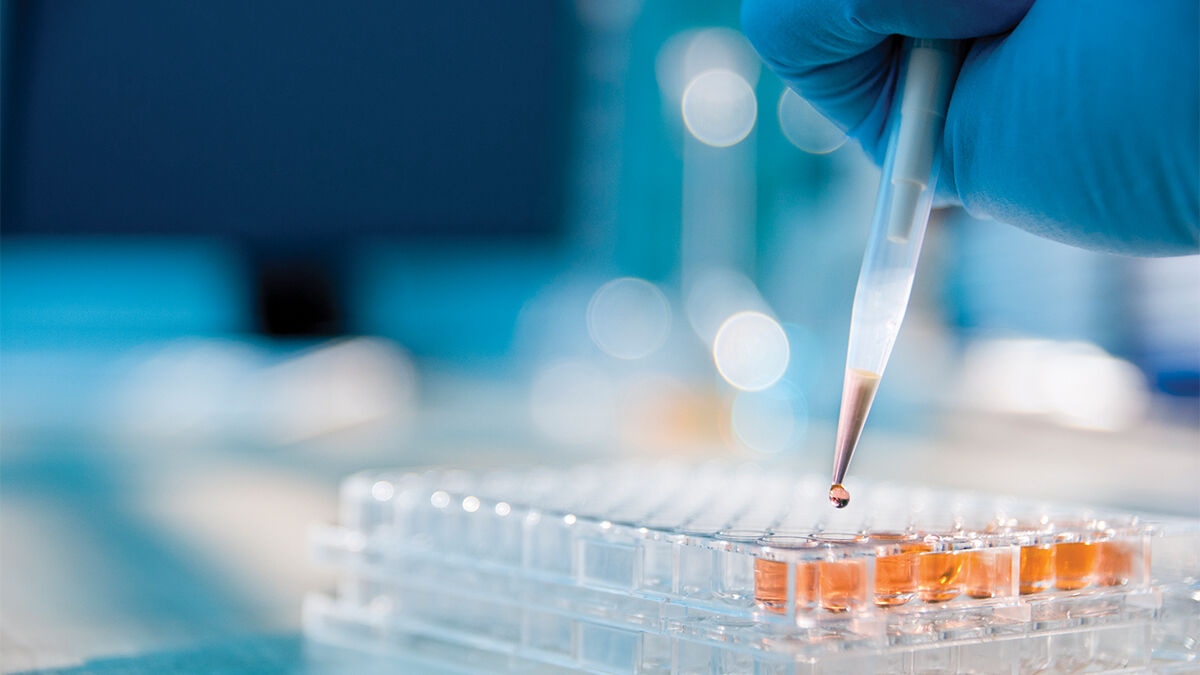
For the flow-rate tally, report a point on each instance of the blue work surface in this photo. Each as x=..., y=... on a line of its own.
x=134, y=548
x=258, y=654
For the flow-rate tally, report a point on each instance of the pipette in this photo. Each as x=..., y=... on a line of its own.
x=916, y=122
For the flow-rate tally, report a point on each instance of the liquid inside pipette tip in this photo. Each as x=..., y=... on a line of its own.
x=838, y=496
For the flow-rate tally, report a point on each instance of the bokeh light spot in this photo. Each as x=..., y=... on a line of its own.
x=574, y=402
x=806, y=128
x=722, y=48
x=714, y=296
x=629, y=318
x=751, y=351
x=773, y=420
x=719, y=108
x=689, y=53
x=382, y=490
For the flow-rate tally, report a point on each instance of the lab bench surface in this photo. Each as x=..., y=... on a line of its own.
x=176, y=557
x=259, y=654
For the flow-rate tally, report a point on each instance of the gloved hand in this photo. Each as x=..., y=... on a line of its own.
x=1078, y=121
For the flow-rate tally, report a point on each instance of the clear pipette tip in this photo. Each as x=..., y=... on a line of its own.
x=894, y=246
x=858, y=392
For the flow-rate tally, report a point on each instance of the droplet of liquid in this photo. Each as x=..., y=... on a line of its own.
x=838, y=496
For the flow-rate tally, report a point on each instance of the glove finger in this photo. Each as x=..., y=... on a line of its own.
x=1065, y=129
x=841, y=54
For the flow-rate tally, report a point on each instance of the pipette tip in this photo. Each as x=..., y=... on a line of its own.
x=857, y=395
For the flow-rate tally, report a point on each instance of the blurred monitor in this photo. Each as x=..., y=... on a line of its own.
x=285, y=122
x=288, y=126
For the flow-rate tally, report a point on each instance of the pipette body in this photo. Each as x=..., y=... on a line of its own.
x=902, y=205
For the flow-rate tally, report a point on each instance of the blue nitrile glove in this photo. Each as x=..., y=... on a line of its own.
x=1078, y=121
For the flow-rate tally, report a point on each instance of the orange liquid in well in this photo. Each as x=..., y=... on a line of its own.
x=895, y=575
x=1037, y=568
x=1114, y=565
x=843, y=584
x=1074, y=564
x=770, y=584
x=939, y=575
x=988, y=573
x=806, y=585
